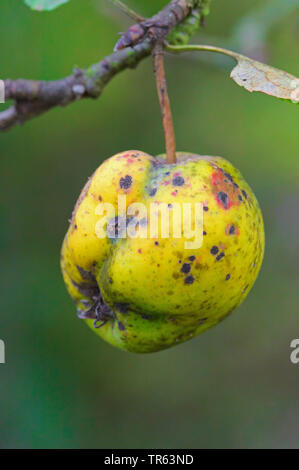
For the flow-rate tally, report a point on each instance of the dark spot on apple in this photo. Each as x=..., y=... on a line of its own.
x=157, y=243
x=178, y=181
x=223, y=198
x=227, y=277
x=186, y=268
x=146, y=317
x=214, y=250
x=155, y=163
x=192, y=258
x=126, y=182
x=90, y=289
x=205, y=208
x=122, y=307
x=204, y=232
x=121, y=326
x=152, y=192
x=240, y=198
x=116, y=227
x=189, y=279
x=228, y=176
x=86, y=275
x=220, y=256
x=244, y=193
x=232, y=230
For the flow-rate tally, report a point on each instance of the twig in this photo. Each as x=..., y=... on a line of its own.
x=204, y=48
x=33, y=98
x=128, y=11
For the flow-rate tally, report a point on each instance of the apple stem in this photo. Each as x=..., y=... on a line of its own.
x=159, y=70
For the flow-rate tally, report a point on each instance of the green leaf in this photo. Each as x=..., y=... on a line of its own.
x=255, y=76
x=47, y=5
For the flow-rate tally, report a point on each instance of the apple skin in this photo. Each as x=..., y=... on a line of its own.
x=154, y=293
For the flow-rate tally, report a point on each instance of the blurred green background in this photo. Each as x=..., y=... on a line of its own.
x=62, y=386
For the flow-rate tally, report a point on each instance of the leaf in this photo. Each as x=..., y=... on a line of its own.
x=47, y=5
x=255, y=76
x=251, y=74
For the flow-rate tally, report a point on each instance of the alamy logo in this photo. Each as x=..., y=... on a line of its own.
x=2, y=92
x=295, y=354
x=139, y=221
x=2, y=352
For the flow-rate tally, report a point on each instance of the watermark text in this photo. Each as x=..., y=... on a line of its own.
x=295, y=353
x=165, y=220
x=2, y=352
x=2, y=92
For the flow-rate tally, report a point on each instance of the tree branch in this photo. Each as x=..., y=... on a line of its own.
x=33, y=98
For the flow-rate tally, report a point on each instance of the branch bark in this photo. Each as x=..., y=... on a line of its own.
x=33, y=98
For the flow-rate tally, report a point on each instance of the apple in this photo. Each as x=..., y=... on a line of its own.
x=147, y=293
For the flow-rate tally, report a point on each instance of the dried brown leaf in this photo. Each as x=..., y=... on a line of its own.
x=255, y=76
